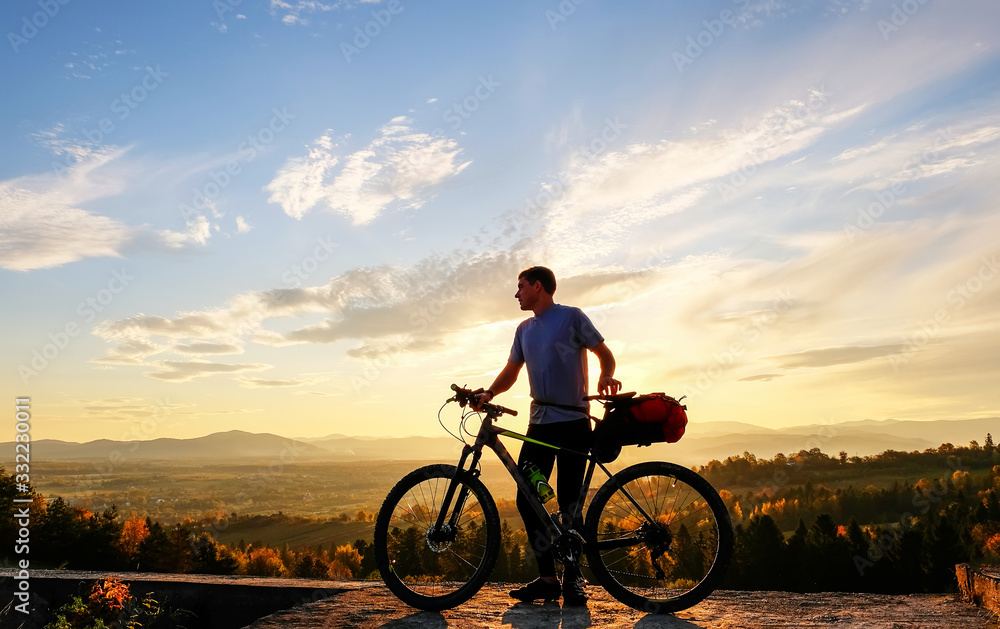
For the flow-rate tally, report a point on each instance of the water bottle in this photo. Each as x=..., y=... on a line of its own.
x=537, y=480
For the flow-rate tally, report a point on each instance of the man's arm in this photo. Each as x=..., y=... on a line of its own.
x=606, y=385
x=503, y=382
x=506, y=378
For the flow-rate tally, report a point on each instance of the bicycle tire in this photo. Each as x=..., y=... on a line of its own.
x=691, y=542
x=435, y=574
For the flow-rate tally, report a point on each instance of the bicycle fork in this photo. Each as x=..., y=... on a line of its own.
x=443, y=531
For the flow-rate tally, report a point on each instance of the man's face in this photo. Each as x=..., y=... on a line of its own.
x=527, y=293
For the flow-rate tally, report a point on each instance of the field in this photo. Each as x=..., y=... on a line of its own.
x=312, y=504
x=171, y=492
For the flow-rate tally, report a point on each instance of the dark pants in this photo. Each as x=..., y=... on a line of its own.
x=575, y=435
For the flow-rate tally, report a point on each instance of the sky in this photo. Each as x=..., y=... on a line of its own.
x=307, y=217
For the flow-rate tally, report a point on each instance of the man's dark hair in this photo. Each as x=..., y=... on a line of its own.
x=540, y=274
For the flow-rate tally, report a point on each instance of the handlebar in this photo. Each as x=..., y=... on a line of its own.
x=464, y=396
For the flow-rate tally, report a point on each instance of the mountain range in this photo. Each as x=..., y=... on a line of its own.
x=701, y=443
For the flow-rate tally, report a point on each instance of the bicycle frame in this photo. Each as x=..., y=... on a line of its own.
x=488, y=436
x=438, y=534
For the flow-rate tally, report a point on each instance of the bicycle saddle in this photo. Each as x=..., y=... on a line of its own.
x=618, y=397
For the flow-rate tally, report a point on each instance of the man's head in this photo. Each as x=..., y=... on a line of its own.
x=535, y=287
x=540, y=274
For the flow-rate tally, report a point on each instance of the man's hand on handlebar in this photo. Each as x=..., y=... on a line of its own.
x=479, y=398
x=608, y=385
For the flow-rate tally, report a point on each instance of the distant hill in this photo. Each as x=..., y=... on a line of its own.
x=235, y=444
x=396, y=448
x=717, y=440
x=702, y=442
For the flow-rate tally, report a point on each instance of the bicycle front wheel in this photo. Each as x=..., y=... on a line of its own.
x=431, y=567
x=658, y=537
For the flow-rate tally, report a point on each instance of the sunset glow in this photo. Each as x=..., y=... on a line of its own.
x=306, y=218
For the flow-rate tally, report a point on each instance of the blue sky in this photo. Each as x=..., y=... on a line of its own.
x=295, y=217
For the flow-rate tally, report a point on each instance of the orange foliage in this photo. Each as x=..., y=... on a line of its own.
x=134, y=530
x=346, y=563
x=993, y=545
x=264, y=562
x=108, y=597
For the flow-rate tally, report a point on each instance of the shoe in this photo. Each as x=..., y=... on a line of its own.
x=535, y=590
x=573, y=592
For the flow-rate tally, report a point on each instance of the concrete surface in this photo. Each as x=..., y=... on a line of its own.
x=368, y=606
x=232, y=601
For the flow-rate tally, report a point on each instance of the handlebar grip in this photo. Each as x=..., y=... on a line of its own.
x=463, y=395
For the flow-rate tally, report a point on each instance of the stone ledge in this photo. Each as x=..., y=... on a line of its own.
x=219, y=602
x=980, y=586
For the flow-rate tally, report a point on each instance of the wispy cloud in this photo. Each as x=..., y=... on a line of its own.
x=297, y=12
x=43, y=223
x=182, y=371
x=130, y=408
x=602, y=196
x=836, y=356
x=384, y=311
x=258, y=383
x=208, y=348
x=393, y=170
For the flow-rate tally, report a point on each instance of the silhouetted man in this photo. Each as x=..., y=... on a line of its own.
x=553, y=344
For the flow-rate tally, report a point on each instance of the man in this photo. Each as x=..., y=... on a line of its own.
x=553, y=344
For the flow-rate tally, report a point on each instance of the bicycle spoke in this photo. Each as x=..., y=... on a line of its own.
x=427, y=563
x=656, y=536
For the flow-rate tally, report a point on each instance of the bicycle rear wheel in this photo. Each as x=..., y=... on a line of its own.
x=673, y=559
x=429, y=567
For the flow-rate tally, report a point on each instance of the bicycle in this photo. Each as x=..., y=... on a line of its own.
x=656, y=535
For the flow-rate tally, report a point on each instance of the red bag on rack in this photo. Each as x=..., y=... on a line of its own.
x=665, y=413
x=641, y=420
